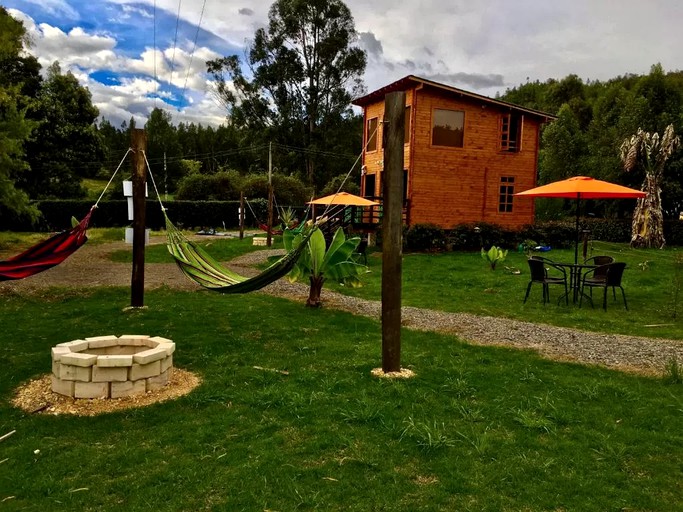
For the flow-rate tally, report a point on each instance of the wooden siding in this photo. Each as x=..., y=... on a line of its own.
x=449, y=186
x=374, y=160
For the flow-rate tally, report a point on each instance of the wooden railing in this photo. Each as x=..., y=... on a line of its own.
x=358, y=218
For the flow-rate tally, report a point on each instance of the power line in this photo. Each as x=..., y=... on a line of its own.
x=194, y=46
x=175, y=40
x=156, y=81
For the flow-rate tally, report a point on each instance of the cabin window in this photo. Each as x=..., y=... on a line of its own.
x=406, y=133
x=372, y=135
x=448, y=128
x=511, y=132
x=507, y=190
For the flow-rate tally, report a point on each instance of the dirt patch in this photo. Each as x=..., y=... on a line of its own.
x=37, y=397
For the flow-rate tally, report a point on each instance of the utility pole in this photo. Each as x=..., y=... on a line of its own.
x=137, y=285
x=392, y=230
x=269, y=237
x=165, y=178
x=241, y=215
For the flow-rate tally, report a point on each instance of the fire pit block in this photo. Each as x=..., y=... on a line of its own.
x=111, y=366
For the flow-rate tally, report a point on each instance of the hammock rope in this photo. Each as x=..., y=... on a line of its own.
x=52, y=251
x=201, y=268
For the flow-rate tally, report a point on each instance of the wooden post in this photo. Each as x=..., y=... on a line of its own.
x=269, y=236
x=241, y=215
x=137, y=285
x=392, y=230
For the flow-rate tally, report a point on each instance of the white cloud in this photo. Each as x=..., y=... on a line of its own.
x=484, y=47
x=59, y=8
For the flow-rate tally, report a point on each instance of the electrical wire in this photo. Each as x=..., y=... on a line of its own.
x=175, y=40
x=194, y=47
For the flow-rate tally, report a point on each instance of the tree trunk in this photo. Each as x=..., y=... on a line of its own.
x=647, y=229
x=314, y=292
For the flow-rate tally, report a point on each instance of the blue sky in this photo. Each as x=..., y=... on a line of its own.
x=132, y=57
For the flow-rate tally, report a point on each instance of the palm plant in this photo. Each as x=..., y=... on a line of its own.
x=648, y=151
x=319, y=262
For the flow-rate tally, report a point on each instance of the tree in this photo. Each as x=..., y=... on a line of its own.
x=650, y=153
x=163, y=150
x=304, y=68
x=66, y=145
x=14, y=127
x=317, y=264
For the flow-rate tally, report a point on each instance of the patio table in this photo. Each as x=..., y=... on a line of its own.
x=575, y=272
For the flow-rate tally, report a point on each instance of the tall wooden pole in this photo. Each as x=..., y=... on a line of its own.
x=137, y=285
x=392, y=230
x=241, y=215
x=269, y=237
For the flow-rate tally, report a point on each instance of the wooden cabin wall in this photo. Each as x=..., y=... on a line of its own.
x=374, y=160
x=451, y=186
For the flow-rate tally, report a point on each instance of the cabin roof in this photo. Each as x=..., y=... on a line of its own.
x=411, y=81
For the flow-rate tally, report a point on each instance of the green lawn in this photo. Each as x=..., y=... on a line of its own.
x=222, y=249
x=463, y=282
x=478, y=428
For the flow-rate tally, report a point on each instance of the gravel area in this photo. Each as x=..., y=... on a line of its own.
x=89, y=267
x=633, y=354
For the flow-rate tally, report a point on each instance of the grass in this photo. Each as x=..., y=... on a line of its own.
x=479, y=428
x=222, y=249
x=12, y=242
x=463, y=282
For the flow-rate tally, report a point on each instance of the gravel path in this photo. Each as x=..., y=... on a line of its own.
x=90, y=267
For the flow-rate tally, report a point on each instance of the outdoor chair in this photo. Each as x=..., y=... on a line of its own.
x=538, y=267
x=599, y=273
x=362, y=250
x=613, y=273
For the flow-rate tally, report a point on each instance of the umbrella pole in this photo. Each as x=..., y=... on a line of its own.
x=576, y=245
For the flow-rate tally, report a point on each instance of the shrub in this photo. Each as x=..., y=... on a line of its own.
x=332, y=186
x=289, y=191
x=222, y=186
x=425, y=237
x=194, y=187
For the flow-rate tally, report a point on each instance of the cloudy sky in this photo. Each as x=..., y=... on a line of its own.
x=137, y=55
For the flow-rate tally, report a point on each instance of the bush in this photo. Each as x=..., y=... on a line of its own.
x=333, y=185
x=56, y=215
x=425, y=237
x=289, y=191
x=222, y=186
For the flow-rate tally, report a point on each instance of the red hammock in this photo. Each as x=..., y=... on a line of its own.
x=264, y=227
x=47, y=253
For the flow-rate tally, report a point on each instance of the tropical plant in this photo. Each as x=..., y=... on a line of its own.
x=287, y=217
x=319, y=264
x=493, y=256
x=649, y=152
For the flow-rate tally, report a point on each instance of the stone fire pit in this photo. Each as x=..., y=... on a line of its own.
x=111, y=366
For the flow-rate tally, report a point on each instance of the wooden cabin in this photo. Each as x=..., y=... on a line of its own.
x=465, y=155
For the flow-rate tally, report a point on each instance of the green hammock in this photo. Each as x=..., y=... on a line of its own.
x=203, y=269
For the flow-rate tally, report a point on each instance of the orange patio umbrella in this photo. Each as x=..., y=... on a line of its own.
x=343, y=198
x=582, y=187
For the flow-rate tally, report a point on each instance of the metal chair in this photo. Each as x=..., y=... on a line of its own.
x=362, y=250
x=600, y=261
x=538, y=267
x=613, y=273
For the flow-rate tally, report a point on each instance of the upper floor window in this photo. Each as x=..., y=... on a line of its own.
x=372, y=135
x=448, y=128
x=507, y=190
x=511, y=132
x=406, y=133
